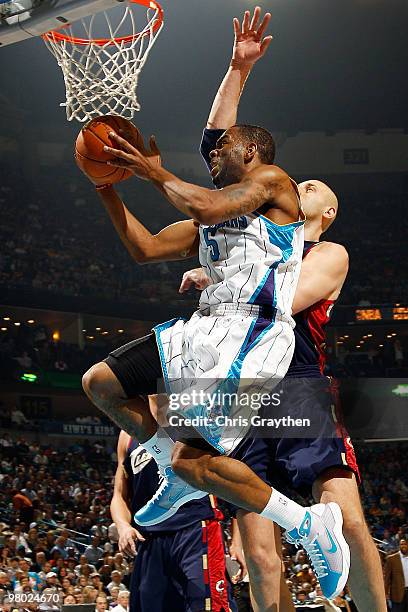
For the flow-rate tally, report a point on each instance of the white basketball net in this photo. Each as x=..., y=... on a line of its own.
x=102, y=78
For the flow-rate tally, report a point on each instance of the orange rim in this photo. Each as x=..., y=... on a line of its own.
x=58, y=36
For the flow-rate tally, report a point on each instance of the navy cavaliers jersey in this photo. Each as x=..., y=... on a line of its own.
x=143, y=479
x=310, y=335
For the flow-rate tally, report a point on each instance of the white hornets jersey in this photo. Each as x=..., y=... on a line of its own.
x=241, y=339
x=252, y=260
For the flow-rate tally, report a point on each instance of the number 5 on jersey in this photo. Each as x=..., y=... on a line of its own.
x=212, y=245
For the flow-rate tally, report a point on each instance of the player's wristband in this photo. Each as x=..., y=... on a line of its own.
x=102, y=187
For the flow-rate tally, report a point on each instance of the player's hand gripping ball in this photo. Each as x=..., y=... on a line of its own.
x=90, y=155
x=136, y=158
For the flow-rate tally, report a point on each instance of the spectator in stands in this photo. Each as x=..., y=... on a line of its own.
x=308, y=589
x=303, y=574
x=32, y=537
x=301, y=597
x=28, y=491
x=5, y=440
x=116, y=581
x=71, y=564
x=18, y=417
x=59, y=547
x=396, y=578
x=121, y=564
x=83, y=581
x=46, y=569
x=94, y=552
x=19, y=537
x=5, y=583
x=4, y=554
x=51, y=581
x=97, y=583
x=113, y=596
x=50, y=538
x=79, y=598
x=101, y=604
x=83, y=562
x=123, y=602
x=69, y=600
x=12, y=566
x=383, y=488
x=105, y=574
x=89, y=594
x=389, y=542
x=65, y=583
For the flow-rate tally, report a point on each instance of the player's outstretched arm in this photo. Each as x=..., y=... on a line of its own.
x=263, y=184
x=322, y=275
x=119, y=506
x=249, y=46
x=177, y=241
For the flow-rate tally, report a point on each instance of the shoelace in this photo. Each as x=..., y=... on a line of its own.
x=162, y=484
x=317, y=559
x=290, y=540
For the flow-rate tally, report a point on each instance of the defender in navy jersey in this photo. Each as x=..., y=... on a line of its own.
x=179, y=564
x=326, y=464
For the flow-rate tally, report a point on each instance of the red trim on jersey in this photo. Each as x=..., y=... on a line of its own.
x=214, y=566
x=317, y=316
x=342, y=432
x=309, y=249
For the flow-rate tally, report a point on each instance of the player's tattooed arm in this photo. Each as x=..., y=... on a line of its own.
x=262, y=185
x=265, y=184
x=208, y=206
x=246, y=198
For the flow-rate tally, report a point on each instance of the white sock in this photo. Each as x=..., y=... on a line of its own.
x=160, y=446
x=283, y=511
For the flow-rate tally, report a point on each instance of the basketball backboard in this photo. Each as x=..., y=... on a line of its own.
x=21, y=19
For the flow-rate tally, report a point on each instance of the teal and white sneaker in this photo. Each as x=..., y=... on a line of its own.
x=173, y=492
x=320, y=534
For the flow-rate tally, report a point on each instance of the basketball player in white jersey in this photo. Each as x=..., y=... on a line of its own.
x=333, y=464
x=249, y=235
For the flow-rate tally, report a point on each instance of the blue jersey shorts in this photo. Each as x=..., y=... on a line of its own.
x=182, y=571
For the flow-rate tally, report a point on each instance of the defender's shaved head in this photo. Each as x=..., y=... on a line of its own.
x=319, y=202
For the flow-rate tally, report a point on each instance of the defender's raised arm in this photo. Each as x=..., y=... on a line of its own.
x=249, y=46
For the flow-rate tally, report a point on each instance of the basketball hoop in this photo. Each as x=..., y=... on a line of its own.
x=101, y=74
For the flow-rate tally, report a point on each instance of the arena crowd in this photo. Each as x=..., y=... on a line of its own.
x=57, y=537
x=62, y=242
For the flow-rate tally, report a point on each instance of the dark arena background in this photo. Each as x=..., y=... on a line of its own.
x=333, y=91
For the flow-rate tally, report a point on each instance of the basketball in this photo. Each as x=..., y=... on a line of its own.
x=89, y=153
